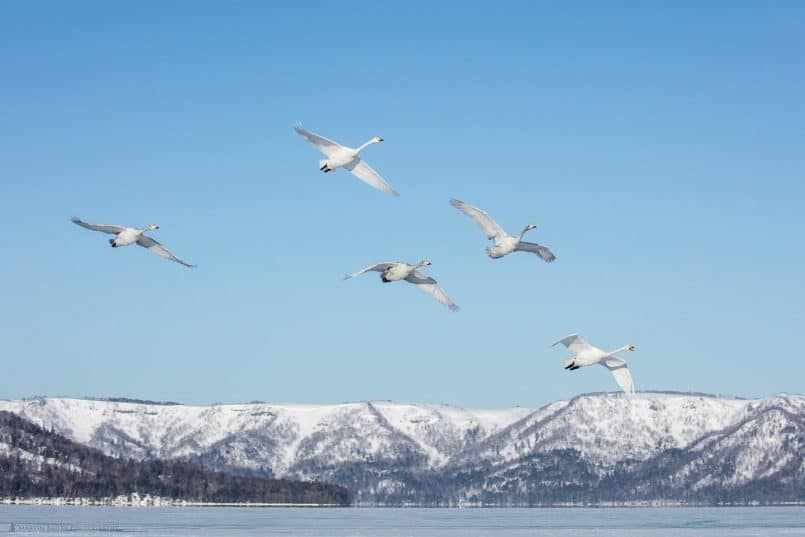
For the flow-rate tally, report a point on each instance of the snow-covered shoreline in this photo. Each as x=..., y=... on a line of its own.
x=156, y=502
x=135, y=500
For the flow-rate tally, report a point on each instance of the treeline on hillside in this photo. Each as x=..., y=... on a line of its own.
x=39, y=463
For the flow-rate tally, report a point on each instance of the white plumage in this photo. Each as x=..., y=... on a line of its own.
x=586, y=354
x=339, y=156
x=504, y=243
x=125, y=236
x=392, y=272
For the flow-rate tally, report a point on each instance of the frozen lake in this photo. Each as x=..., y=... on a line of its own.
x=370, y=522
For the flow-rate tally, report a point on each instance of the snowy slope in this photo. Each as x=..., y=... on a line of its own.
x=275, y=437
x=607, y=428
x=390, y=452
x=767, y=444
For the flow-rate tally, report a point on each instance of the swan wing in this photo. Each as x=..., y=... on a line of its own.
x=480, y=217
x=325, y=145
x=542, y=251
x=575, y=344
x=365, y=173
x=157, y=248
x=377, y=267
x=621, y=373
x=431, y=287
x=103, y=228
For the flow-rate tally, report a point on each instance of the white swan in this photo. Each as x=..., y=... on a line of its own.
x=504, y=243
x=392, y=272
x=130, y=235
x=339, y=156
x=586, y=354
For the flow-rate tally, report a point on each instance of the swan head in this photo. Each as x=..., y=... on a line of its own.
x=529, y=227
x=152, y=227
x=630, y=347
x=425, y=263
x=377, y=139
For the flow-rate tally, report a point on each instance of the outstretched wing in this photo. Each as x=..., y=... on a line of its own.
x=157, y=248
x=484, y=221
x=365, y=173
x=542, y=251
x=431, y=286
x=325, y=145
x=575, y=344
x=378, y=267
x=103, y=228
x=621, y=373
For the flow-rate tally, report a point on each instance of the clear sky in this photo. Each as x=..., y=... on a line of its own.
x=658, y=146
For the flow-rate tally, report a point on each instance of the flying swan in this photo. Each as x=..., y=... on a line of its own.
x=504, y=243
x=392, y=272
x=586, y=354
x=129, y=235
x=339, y=156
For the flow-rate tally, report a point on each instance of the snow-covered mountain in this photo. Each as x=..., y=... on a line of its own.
x=36, y=463
x=269, y=438
x=591, y=448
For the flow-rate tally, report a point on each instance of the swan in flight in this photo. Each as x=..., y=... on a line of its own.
x=392, y=272
x=586, y=354
x=340, y=156
x=504, y=243
x=125, y=236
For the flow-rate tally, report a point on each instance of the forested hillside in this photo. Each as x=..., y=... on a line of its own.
x=35, y=462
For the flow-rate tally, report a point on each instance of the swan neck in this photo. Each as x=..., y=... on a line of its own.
x=364, y=146
x=525, y=230
x=619, y=349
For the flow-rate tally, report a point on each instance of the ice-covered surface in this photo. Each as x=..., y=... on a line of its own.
x=249, y=522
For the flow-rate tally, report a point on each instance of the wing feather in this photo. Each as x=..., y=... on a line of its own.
x=157, y=248
x=621, y=373
x=480, y=217
x=325, y=145
x=365, y=173
x=542, y=251
x=103, y=228
x=377, y=267
x=432, y=287
x=574, y=343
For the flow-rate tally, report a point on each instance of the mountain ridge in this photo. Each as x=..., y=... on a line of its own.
x=394, y=453
x=38, y=463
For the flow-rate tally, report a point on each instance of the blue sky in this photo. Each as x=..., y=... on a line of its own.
x=657, y=146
